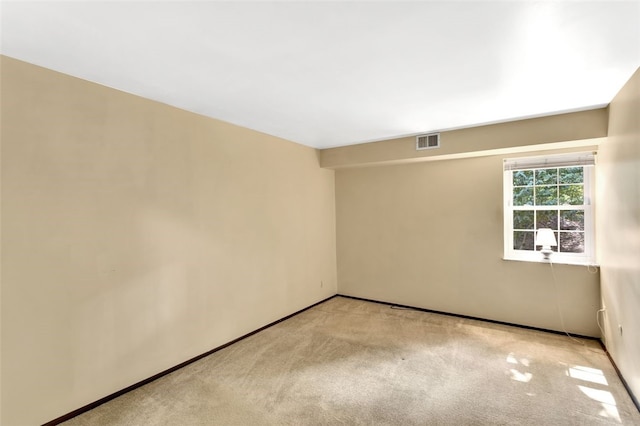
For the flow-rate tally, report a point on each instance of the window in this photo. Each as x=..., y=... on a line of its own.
x=549, y=192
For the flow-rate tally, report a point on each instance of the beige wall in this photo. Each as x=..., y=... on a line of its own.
x=430, y=234
x=136, y=236
x=425, y=228
x=551, y=132
x=407, y=235
x=618, y=227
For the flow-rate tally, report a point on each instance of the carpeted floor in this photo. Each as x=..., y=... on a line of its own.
x=352, y=362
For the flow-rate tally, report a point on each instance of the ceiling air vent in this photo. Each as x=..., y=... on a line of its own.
x=428, y=141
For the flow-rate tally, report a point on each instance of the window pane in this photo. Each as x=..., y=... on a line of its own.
x=547, y=219
x=546, y=177
x=523, y=219
x=523, y=196
x=546, y=195
x=571, y=194
x=522, y=240
x=552, y=192
x=572, y=242
x=571, y=175
x=572, y=220
x=523, y=177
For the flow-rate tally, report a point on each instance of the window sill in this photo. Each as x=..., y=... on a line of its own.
x=577, y=262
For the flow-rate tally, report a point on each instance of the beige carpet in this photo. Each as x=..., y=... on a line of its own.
x=352, y=362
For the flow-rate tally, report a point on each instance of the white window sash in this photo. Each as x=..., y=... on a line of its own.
x=546, y=162
x=585, y=159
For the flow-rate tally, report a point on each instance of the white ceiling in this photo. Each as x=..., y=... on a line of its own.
x=327, y=74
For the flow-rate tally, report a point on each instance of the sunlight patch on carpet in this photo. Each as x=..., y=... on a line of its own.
x=587, y=374
x=524, y=377
x=606, y=399
x=520, y=377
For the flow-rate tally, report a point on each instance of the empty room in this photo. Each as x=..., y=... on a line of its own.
x=320, y=212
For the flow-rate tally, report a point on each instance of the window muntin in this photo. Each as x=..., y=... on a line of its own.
x=550, y=192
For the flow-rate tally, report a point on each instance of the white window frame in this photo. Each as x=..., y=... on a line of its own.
x=585, y=159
